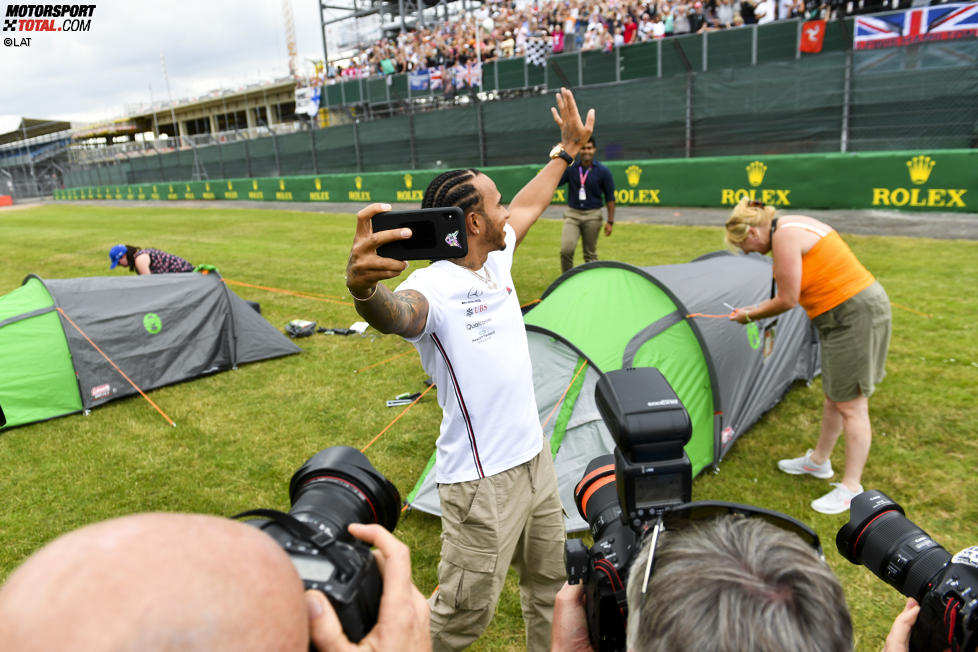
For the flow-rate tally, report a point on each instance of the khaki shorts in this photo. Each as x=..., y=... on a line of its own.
x=855, y=337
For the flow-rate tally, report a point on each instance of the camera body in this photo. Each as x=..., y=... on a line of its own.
x=335, y=487
x=880, y=537
x=621, y=494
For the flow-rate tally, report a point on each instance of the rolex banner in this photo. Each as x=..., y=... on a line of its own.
x=944, y=180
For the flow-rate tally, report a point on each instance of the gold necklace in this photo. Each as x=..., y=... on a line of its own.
x=487, y=279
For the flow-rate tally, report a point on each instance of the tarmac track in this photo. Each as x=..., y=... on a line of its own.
x=941, y=225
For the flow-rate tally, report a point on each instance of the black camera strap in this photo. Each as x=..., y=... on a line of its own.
x=292, y=525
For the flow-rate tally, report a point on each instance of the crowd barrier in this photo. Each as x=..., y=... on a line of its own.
x=944, y=180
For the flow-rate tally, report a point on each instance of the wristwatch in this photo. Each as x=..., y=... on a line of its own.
x=558, y=152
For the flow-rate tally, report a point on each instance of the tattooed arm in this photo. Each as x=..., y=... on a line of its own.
x=402, y=313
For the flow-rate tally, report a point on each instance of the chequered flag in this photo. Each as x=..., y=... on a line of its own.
x=10, y=24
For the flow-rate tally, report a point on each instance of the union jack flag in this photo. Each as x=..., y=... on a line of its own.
x=434, y=75
x=937, y=23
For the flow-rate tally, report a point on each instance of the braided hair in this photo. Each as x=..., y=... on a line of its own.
x=453, y=188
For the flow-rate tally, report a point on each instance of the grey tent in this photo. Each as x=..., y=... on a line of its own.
x=609, y=315
x=157, y=329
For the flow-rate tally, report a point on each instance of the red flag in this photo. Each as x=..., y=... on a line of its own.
x=812, y=36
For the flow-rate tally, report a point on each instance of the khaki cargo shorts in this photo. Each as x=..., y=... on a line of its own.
x=855, y=338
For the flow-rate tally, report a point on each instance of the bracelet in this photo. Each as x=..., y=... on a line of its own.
x=611, y=221
x=368, y=298
x=746, y=313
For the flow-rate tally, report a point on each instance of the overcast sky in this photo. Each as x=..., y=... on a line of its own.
x=96, y=75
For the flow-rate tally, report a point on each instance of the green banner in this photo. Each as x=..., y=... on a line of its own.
x=944, y=180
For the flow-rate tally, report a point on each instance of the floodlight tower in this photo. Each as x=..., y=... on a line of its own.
x=290, y=36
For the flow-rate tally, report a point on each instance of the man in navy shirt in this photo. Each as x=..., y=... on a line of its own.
x=589, y=187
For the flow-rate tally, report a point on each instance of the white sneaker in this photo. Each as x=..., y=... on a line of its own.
x=802, y=465
x=837, y=500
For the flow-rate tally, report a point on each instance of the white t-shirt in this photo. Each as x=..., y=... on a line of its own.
x=474, y=347
x=767, y=6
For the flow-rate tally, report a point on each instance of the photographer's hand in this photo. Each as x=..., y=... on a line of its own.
x=898, y=640
x=568, y=633
x=403, y=619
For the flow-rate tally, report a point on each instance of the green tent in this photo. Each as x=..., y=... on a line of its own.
x=610, y=315
x=63, y=342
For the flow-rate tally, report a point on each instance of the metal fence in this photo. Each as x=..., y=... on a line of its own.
x=738, y=91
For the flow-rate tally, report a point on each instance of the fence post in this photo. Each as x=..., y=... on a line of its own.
x=247, y=152
x=689, y=114
x=315, y=157
x=753, y=45
x=482, y=135
x=278, y=163
x=706, y=51
x=414, y=152
x=220, y=157
x=846, y=101
x=356, y=142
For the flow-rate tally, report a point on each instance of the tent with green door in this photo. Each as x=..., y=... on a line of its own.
x=609, y=315
x=67, y=345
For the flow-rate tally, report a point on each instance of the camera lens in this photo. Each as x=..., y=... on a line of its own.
x=596, y=497
x=338, y=486
x=882, y=539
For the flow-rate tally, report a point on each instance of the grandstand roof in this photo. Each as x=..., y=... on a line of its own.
x=33, y=127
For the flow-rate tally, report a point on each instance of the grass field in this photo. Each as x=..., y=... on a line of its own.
x=241, y=434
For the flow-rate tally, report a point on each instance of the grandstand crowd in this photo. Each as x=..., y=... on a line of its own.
x=503, y=29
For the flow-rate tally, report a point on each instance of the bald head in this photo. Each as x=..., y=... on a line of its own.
x=156, y=582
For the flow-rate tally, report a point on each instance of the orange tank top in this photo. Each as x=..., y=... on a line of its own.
x=830, y=272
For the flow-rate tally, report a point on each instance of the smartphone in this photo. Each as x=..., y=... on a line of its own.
x=436, y=233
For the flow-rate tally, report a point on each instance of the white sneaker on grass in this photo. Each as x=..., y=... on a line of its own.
x=837, y=500
x=804, y=464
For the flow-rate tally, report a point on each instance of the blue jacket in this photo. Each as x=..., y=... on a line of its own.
x=598, y=181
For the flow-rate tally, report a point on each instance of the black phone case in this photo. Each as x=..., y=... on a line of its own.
x=437, y=233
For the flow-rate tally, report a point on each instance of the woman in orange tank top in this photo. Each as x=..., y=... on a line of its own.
x=815, y=268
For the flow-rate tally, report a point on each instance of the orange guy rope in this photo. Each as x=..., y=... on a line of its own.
x=116, y=367
x=700, y=314
x=364, y=449
x=377, y=364
x=303, y=295
x=561, y=399
x=916, y=312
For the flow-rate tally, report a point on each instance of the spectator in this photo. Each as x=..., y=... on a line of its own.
x=850, y=309
x=681, y=19
x=697, y=21
x=748, y=12
x=646, y=28
x=764, y=11
x=147, y=261
x=630, y=29
x=725, y=13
